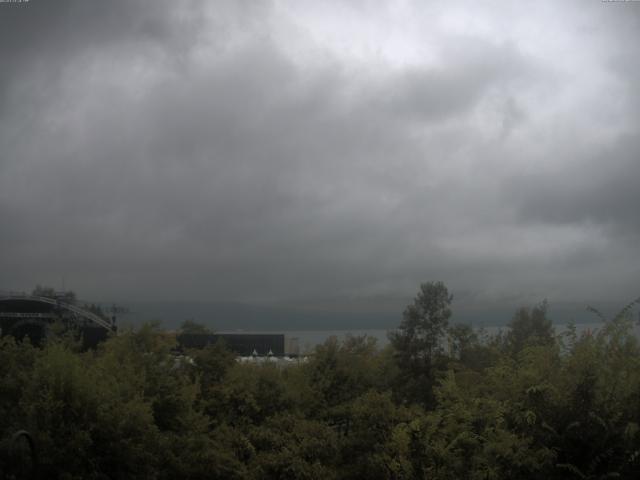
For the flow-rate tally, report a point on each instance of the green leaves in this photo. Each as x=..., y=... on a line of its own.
x=136, y=409
x=418, y=342
x=530, y=327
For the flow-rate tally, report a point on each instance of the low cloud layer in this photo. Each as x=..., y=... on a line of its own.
x=302, y=150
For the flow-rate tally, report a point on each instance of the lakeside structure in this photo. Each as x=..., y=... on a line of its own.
x=245, y=344
x=33, y=316
x=23, y=315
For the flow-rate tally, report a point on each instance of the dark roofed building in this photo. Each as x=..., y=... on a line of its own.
x=243, y=344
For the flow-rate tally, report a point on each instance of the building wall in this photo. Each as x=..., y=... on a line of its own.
x=243, y=344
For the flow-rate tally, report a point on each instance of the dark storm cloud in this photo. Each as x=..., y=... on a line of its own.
x=187, y=150
x=41, y=37
x=603, y=188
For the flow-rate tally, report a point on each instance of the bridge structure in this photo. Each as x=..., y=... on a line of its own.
x=23, y=315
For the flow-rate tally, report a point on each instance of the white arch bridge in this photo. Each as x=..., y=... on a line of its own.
x=55, y=302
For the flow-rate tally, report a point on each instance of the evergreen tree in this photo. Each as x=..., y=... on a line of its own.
x=419, y=339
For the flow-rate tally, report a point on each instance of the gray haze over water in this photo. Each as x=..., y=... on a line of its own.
x=309, y=339
x=380, y=316
x=322, y=155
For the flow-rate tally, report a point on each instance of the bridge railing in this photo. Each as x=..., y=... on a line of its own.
x=67, y=306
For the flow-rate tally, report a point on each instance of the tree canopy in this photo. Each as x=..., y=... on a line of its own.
x=418, y=341
x=438, y=403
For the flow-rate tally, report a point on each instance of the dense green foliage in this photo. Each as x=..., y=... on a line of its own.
x=440, y=402
x=418, y=342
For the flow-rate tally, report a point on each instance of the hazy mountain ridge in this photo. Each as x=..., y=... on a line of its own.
x=354, y=314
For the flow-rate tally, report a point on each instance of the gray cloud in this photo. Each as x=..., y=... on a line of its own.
x=472, y=68
x=600, y=189
x=229, y=151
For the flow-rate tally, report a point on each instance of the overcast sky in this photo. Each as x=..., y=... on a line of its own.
x=288, y=150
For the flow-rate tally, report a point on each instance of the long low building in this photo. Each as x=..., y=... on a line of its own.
x=244, y=344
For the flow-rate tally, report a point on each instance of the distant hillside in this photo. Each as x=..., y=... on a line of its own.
x=357, y=314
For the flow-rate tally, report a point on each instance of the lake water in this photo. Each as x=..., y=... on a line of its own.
x=308, y=339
